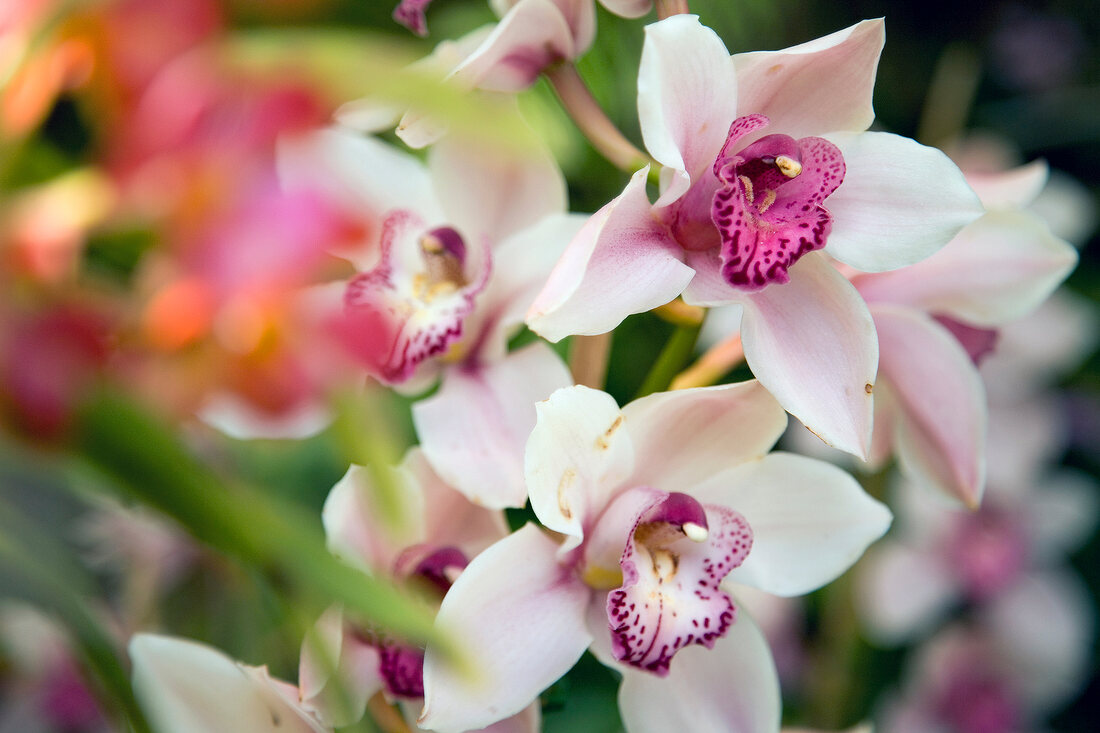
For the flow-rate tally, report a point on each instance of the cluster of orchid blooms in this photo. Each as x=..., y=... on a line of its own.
x=861, y=277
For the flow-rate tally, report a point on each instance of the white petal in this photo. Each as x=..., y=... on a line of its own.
x=491, y=193
x=520, y=617
x=810, y=520
x=941, y=431
x=903, y=592
x=683, y=437
x=621, y=262
x=1020, y=263
x=821, y=86
x=185, y=687
x=812, y=343
x=687, y=98
x=900, y=202
x=1012, y=188
x=238, y=419
x=730, y=688
x=358, y=527
x=577, y=458
x=329, y=653
x=474, y=429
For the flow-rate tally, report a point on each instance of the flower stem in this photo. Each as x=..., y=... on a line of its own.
x=588, y=359
x=679, y=313
x=590, y=119
x=712, y=365
x=672, y=359
x=666, y=8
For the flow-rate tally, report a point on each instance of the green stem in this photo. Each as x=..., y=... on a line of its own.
x=593, y=122
x=673, y=358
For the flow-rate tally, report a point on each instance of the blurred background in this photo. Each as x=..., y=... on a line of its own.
x=136, y=142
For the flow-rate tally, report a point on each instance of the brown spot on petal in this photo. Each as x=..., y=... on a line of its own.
x=602, y=442
x=567, y=480
x=775, y=69
x=868, y=388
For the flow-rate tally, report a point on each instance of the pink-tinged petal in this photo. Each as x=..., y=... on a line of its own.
x=810, y=520
x=941, y=429
x=628, y=8
x=521, y=264
x=732, y=687
x=1012, y=188
x=238, y=419
x=521, y=618
x=821, y=86
x=362, y=527
x=528, y=720
x=577, y=458
x=685, y=436
x=621, y=262
x=1020, y=263
x=882, y=436
x=412, y=305
x=474, y=429
x=1061, y=514
x=410, y=13
x=812, y=343
x=903, y=592
x=530, y=37
x=361, y=175
x=687, y=98
x=708, y=288
x=491, y=193
x=450, y=519
x=900, y=202
x=337, y=673
x=670, y=597
x=184, y=687
x=1044, y=626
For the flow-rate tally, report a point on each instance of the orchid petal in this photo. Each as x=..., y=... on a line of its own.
x=903, y=592
x=238, y=419
x=576, y=459
x=810, y=520
x=185, y=687
x=899, y=203
x=1012, y=188
x=621, y=262
x=685, y=436
x=628, y=8
x=450, y=519
x=491, y=193
x=812, y=343
x=687, y=98
x=530, y=36
x=337, y=672
x=1061, y=514
x=521, y=265
x=521, y=615
x=345, y=168
x=821, y=86
x=360, y=531
x=732, y=687
x=942, y=427
x=1020, y=263
x=473, y=430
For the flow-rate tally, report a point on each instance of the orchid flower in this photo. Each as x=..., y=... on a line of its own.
x=936, y=320
x=462, y=248
x=184, y=687
x=767, y=169
x=942, y=555
x=434, y=534
x=652, y=508
x=1006, y=670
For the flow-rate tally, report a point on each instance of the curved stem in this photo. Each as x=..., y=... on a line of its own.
x=712, y=365
x=591, y=120
x=666, y=8
x=672, y=358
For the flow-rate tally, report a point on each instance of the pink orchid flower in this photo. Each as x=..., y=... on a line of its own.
x=434, y=534
x=652, y=508
x=938, y=318
x=462, y=250
x=942, y=555
x=767, y=169
x=184, y=686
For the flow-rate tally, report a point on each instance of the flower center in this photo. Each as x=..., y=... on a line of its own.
x=677, y=554
x=767, y=208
